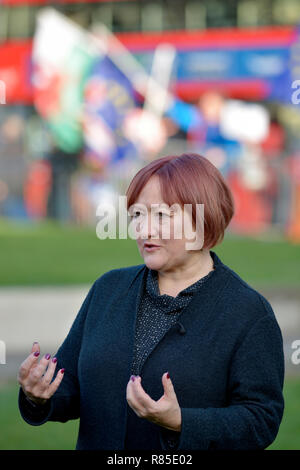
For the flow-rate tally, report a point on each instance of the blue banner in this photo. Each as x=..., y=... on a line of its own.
x=285, y=87
x=226, y=64
x=108, y=97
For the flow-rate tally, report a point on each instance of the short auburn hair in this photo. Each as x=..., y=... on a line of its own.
x=190, y=179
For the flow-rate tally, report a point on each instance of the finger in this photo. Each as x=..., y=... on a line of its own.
x=35, y=347
x=168, y=385
x=48, y=376
x=129, y=393
x=141, y=396
x=56, y=383
x=37, y=372
x=27, y=364
x=132, y=401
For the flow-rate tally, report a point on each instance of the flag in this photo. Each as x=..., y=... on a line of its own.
x=62, y=57
x=109, y=97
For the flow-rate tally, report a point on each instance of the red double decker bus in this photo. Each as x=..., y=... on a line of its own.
x=200, y=30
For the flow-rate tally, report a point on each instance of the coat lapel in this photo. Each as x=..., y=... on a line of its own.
x=128, y=303
x=121, y=318
x=194, y=317
x=198, y=314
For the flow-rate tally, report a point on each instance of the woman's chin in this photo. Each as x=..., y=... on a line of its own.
x=153, y=262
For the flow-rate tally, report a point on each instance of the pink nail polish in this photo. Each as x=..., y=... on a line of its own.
x=132, y=378
x=168, y=375
x=36, y=353
x=47, y=356
x=62, y=370
x=54, y=360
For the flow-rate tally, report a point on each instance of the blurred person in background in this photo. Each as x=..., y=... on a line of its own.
x=202, y=123
x=177, y=353
x=13, y=164
x=62, y=166
x=273, y=151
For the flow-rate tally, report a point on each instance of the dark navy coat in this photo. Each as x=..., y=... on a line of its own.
x=224, y=356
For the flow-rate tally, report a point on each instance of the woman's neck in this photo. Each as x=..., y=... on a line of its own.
x=174, y=282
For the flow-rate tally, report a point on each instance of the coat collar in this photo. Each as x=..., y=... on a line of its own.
x=206, y=296
x=142, y=271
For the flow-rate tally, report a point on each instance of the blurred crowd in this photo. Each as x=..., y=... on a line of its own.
x=40, y=180
x=92, y=126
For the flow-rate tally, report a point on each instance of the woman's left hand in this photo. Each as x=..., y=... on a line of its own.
x=165, y=412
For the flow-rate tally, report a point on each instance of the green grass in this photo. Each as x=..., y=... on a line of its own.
x=288, y=437
x=51, y=254
x=16, y=434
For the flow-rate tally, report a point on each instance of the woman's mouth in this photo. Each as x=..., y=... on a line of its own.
x=151, y=247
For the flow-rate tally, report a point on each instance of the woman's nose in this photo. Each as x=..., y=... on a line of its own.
x=149, y=228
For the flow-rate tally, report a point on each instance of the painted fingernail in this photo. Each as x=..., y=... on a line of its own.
x=47, y=356
x=62, y=370
x=36, y=353
x=35, y=343
x=54, y=360
x=168, y=375
x=132, y=378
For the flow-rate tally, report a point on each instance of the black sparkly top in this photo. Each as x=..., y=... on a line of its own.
x=156, y=314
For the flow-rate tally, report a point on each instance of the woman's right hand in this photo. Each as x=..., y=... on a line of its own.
x=35, y=377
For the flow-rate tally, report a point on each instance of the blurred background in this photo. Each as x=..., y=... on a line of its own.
x=90, y=92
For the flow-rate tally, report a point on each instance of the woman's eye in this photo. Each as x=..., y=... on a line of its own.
x=137, y=214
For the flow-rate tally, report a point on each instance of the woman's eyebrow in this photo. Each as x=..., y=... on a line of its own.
x=152, y=204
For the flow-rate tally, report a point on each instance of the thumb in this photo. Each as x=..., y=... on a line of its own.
x=35, y=347
x=168, y=386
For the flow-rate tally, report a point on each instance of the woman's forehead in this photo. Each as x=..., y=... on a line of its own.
x=152, y=184
x=150, y=204
x=151, y=195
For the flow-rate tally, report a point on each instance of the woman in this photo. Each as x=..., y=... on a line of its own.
x=176, y=353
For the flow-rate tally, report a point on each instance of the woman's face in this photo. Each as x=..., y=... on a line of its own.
x=171, y=252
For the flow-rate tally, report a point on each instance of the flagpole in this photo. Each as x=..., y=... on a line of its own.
x=147, y=86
